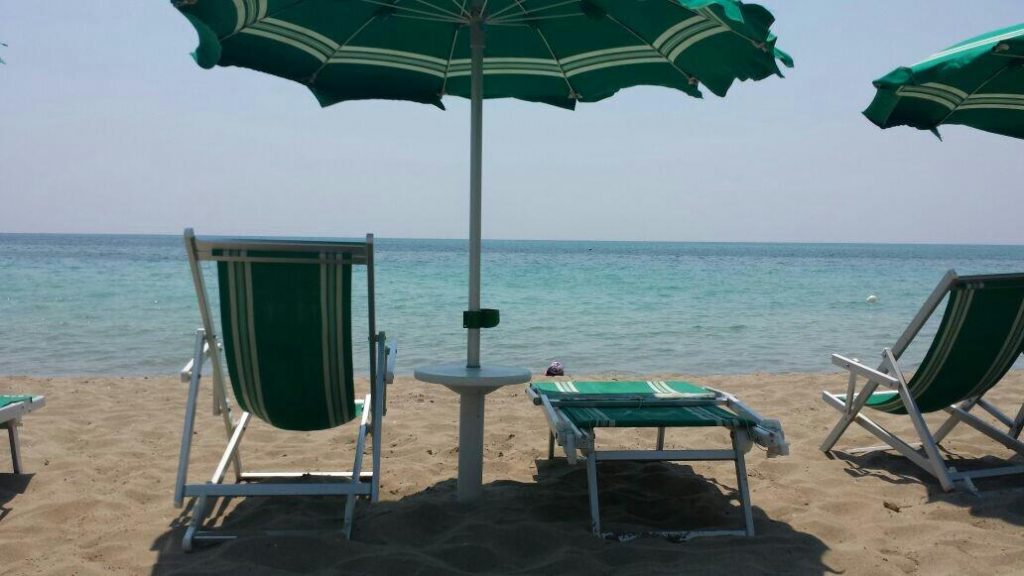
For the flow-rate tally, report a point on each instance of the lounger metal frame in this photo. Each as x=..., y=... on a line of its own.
x=352, y=483
x=10, y=418
x=571, y=438
x=924, y=453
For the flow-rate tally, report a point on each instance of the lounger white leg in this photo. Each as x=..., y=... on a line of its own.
x=595, y=511
x=741, y=479
x=12, y=434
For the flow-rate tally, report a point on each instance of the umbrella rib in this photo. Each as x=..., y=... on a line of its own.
x=956, y=108
x=396, y=7
x=451, y=52
x=427, y=18
x=572, y=91
x=439, y=9
x=462, y=8
x=327, y=61
x=526, y=19
x=497, y=15
x=689, y=77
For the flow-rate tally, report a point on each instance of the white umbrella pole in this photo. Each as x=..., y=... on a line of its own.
x=476, y=43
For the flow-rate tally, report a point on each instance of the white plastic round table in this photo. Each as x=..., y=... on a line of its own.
x=471, y=384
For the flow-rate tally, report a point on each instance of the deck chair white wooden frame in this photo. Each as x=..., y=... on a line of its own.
x=899, y=388
x=354, y=483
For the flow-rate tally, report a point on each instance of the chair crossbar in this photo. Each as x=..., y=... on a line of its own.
x=665, y=455
x=206, y=245
x=274, y=489
x=986, y=473
x=273, y=475
x=987, y=429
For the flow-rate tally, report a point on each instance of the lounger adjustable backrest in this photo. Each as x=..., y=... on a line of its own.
x=980, y=337
x=287, y=329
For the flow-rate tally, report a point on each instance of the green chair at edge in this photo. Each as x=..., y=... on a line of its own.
x=978, y=340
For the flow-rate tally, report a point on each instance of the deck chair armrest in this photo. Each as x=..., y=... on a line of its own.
x=186, y=372
x=855, y=367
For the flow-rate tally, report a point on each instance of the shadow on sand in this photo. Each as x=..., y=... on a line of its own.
x=10, y=486
x=997, y=497
x=540, y=527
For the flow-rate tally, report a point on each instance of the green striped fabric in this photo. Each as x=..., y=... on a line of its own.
x=980, y=337
x=559, y=52
x=646, y=414
x=978, y=82
x=287, y=334
x=6, y=400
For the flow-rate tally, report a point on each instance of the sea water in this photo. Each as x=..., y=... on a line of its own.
x=125, y=305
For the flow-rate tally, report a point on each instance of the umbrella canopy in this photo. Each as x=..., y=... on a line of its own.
x=978, y=82
x=557, y=52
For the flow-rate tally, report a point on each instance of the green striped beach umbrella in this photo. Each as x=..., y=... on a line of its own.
x=557, y=52
x=978, y=82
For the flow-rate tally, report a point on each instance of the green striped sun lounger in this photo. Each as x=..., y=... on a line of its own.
x=575, y=410
x=12, y=409
x=286, y=339
x=980, y=337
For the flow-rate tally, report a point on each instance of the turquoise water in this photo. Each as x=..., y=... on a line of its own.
x=97, y=304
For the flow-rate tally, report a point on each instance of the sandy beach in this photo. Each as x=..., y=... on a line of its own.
x=101, y=459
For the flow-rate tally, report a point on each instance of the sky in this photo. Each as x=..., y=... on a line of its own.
x=108, y=126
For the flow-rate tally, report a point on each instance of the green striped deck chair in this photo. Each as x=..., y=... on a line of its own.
x=575, y=410
x=286, y=339
x=980, y=337
x=12, y=409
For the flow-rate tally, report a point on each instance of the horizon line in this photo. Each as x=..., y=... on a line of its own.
x=376, y=237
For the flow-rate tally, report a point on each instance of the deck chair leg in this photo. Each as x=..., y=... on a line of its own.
x=852, y=406
x=928, y=444
x=12, y=434
x=660, y=444
x=357, y=467
x=741, y=481
x=198, y=514
x=551, y=445
x=190, y=419
x=595, y=511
